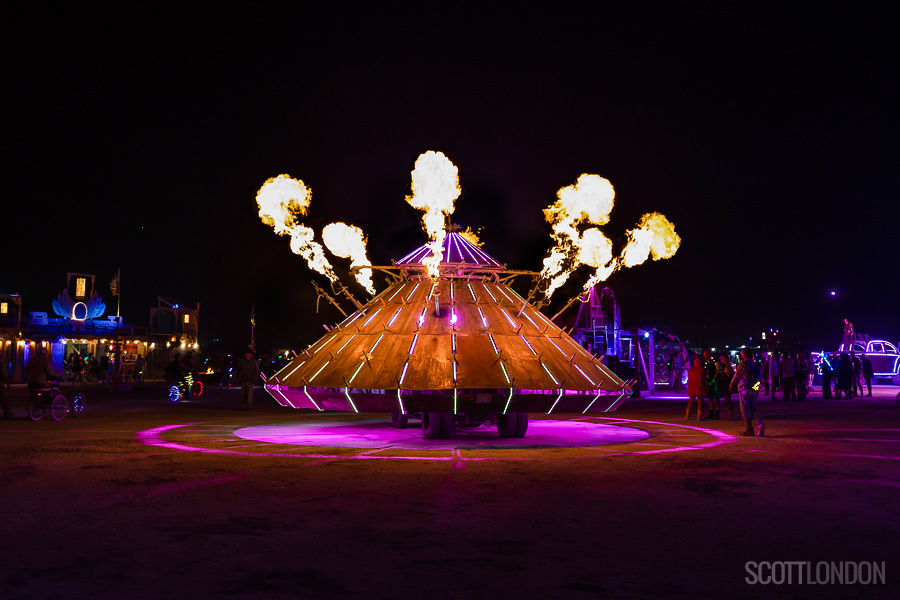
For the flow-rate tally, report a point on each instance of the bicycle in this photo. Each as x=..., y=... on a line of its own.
x=59, y=405
x=186, y=386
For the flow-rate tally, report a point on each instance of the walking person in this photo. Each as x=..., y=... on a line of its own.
x=868, y=373
x=247, y=373
x=746, y=383
x=801, y=376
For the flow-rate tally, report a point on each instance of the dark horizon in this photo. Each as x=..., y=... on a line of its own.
x=770, y=135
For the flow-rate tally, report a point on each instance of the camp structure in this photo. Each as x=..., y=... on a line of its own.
x=461, y=349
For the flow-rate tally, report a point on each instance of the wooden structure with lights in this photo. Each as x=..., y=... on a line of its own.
x=462, y=349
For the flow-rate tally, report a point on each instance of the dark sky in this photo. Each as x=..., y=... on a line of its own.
x=769, y=138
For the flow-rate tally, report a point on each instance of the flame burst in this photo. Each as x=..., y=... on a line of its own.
x=348, y=241
x=280, y=200
x=591, y=200
x=435, y=186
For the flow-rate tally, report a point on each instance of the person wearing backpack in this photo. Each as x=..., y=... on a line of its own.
x=746, y=383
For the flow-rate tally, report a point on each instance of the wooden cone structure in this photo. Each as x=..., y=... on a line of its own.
x=463, y=342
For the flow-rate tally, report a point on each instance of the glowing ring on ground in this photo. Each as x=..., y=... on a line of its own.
x=152, y=437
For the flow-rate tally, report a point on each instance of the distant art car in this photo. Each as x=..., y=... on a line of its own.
x=884, y=356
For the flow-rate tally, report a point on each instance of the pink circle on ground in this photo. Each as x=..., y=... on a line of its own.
x=378, y=433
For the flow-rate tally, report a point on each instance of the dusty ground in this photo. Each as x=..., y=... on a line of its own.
x=93, y=508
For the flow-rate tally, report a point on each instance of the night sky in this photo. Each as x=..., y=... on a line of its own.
x=769, y=138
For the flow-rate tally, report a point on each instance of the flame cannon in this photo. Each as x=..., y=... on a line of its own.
x=461, y=349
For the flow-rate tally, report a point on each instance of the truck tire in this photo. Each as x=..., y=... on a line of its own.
x=399, y=420
x=506, y=425
x=446, y=425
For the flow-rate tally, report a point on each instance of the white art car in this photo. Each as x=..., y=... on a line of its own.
x=884, y=356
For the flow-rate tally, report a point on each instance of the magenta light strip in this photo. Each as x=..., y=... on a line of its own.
x=483, y=318
x=319, y=371
x=286, y=399
x=402, y=377
x=525, y=314
x=369, y=320
x=453, y=317
x=375, y=345
x=494, y=344
x=345, y=344
x=511, y=301
x=422, y=316
x=452, y=293
x=557, y=399
x=353, y=318
x=474, y=297
x=433, y=289
x=453, y=342
x=454, y=238
x=530, y=347
x=311, y=399
x=454, y=393
x=508, y=401
x=454, y=381
x=550, y=339
x=412, y=345
x=468, y=247
x=413, y=291
x=508, y=318
x=267, y=388
x=394, y=318
x=555, y=382
x=488, y=290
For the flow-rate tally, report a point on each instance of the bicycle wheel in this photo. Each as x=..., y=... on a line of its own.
x=77, y=404
x=35, y=410
x=59, y=408
x=175, y=393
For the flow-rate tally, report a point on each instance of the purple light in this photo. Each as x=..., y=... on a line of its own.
x=453, y=318
x=834, y=293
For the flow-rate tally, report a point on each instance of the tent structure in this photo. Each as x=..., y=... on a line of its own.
x=464, y=342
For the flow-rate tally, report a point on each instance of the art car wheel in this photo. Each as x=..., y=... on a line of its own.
x=437, y=425
x=59, y=408
x=521, y=424
x=197, y=389
x=506, y=425
x=399, y=420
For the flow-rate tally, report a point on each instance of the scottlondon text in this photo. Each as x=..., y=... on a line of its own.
x=805, y=572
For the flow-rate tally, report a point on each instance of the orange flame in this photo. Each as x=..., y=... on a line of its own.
x=347, y=241
x=435, y=187
x=280, y=200
x=591, y=200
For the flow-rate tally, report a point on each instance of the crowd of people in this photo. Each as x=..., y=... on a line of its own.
x=715, y=380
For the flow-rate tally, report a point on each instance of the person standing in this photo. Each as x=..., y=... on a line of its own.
x=724, y=373
x=857, y=372
x=709, y=378
x=746, y=383
x=801, y=376
x=4, y=382
x=844, y=376
x=827, y=377
x=868, y=373
x=695, y=388
x=774, y=370
x=787, y=377
x=247, y=373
